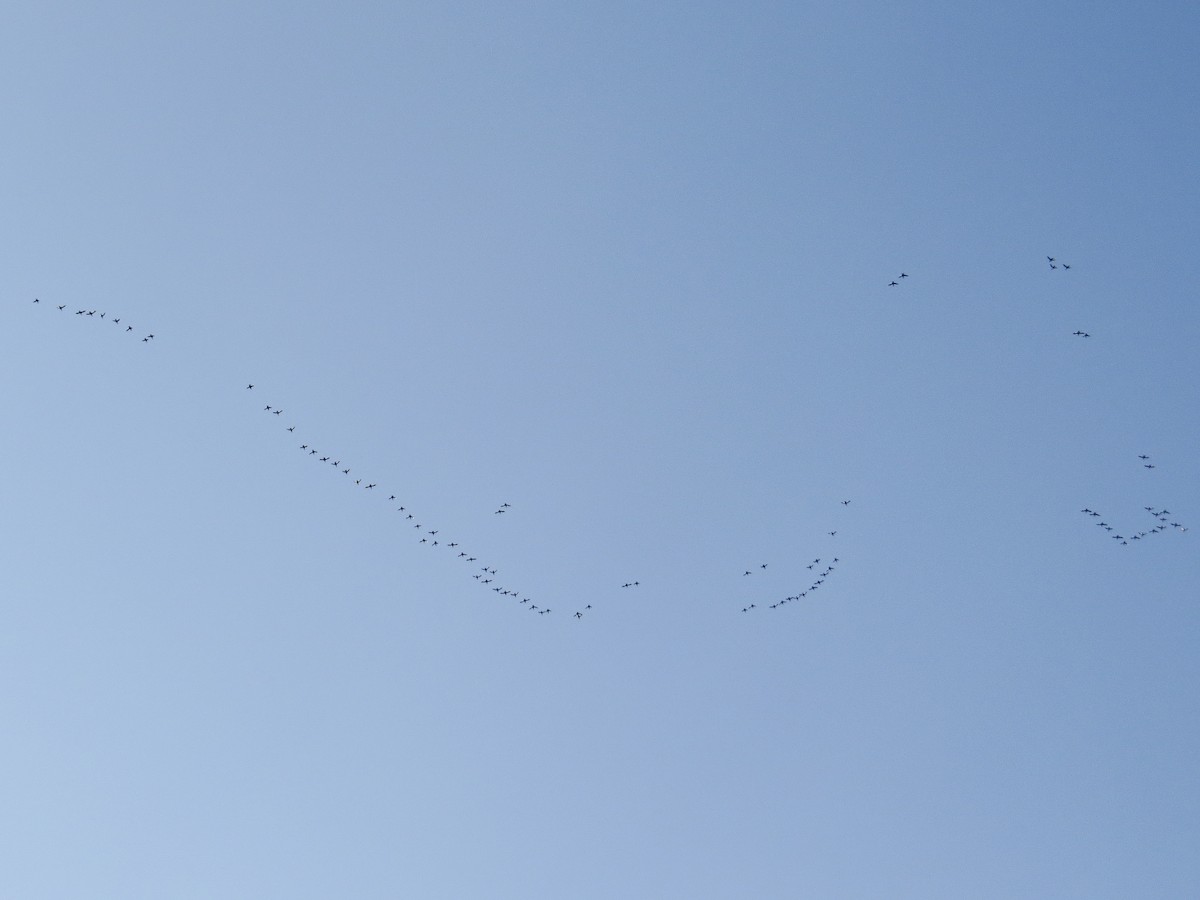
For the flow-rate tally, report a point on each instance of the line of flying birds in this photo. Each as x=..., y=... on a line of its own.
x=432, y=538
x=484, y=574
x=89, y=313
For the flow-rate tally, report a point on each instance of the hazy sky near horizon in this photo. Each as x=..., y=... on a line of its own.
x=627, y=269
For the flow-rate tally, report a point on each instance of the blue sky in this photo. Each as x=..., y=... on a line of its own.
x=626, y=269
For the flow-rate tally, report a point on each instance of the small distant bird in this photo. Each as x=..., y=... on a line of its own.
x=64, y=306
x=893, y=283
x=845, y=503
x=249, y=387
x=903, y=275
x=1148, y=466
x=293, y=428
x=832, y=533
x=1143, y=456
x=129, y=328
x=1051, y=258
x=36, y=300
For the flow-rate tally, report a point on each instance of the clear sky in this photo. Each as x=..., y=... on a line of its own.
x=625, y=267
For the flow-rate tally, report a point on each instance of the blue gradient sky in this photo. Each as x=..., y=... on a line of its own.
x=625, y=268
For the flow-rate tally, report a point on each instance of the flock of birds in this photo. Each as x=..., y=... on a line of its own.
x=485, y=574
x=1162, y=517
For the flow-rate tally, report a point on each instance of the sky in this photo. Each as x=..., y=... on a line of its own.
x=627, y=269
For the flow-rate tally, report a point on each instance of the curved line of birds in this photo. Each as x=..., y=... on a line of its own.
x=433, y=538
x=485, y=574
x=103, y=316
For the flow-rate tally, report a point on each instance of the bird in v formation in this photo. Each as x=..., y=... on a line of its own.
x=462, y=555
x=1161, y=515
